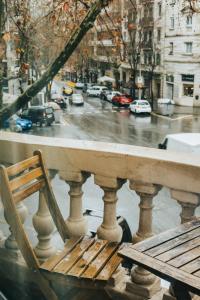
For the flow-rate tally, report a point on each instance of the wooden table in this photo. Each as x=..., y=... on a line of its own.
x=173, y=255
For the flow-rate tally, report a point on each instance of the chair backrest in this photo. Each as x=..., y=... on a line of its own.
x=17, y=183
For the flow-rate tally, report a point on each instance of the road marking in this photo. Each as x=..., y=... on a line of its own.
x=170, y=118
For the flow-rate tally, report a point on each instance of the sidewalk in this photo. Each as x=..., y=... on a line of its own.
x=175, y=111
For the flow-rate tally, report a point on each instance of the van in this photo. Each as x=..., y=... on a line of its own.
x=96, y=90
x=182, y=142
x=39, y=115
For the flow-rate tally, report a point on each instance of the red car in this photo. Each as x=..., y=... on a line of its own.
x=122, y=100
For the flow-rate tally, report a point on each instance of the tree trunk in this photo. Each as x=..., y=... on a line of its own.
x=2, y=49
x=73, y=42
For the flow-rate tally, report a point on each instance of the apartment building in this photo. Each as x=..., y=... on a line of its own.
x=181, y=72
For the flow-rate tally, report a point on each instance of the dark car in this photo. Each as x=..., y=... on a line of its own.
x=122, y=100
x=15, y=123
x=39, y=115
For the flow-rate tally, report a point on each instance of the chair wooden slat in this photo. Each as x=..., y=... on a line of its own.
x=110, y=267
x=25, y=178
x=33, y=188
x=69, y=260
x=56, y=258
x=170, y=245
x=87, y=258
x=22, y=166
x=97, y=265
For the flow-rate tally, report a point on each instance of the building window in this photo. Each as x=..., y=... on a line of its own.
x=158, y=59
x=189, y=21
x=172, y=23
x=188, y=90
x=188, y=47
x=159, y=9
x=158, y=35
x=188, y=77
x=171, y=48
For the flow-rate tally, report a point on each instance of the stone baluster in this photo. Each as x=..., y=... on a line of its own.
x=10, y=242
x=143, y=284
x=188, y=202
x=76, y=222
x=109, y=229
x=44, y=226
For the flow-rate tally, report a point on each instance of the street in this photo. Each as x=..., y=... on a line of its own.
x=98, y=120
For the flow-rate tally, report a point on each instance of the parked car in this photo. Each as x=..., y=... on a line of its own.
x=77, y=99
x=79, y=85
x=165, y=101
x=108, y=95
x=182, y=142
x=39, y=115
x=96, y=90
x=122, y=100
x=140, y=106
x=17, y=124
x=67, y=91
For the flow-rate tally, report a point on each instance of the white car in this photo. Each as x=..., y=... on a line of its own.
x=165, y=101
x=110, y=94
x=77, y=99
x=96, y=90
x=140, y=106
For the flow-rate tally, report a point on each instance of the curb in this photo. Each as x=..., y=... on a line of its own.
x=170, y=118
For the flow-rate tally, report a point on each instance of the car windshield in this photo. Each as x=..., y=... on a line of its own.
x=77, y=96
x=143, y=103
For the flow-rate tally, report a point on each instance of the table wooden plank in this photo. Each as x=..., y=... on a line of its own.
x=179, y=250
x=110, y=267
x=166, y=236
x=87, y=258
x=162, y=269
x=166, y=246
x=97, y=265
x=185, y=258
x=69, y=260
x=192, y=266
x=197, y=273
x=50, y=263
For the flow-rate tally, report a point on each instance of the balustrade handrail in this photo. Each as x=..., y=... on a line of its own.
x=147, y=165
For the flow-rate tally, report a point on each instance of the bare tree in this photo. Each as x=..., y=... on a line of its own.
x=92, y=10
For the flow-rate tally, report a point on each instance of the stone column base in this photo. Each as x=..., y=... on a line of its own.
x=141, y=291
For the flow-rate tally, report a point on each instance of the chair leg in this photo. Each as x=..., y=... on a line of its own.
x=44, y=286
x=180, y=291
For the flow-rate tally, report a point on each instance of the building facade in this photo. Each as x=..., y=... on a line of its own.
x=181, y=72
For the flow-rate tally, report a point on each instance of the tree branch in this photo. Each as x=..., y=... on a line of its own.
x=71, y=45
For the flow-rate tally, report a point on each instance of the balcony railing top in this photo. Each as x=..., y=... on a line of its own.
x=173, y=170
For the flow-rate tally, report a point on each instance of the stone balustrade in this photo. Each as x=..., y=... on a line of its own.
x=146, y=170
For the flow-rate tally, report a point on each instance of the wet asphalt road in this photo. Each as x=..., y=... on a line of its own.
x=98, y=120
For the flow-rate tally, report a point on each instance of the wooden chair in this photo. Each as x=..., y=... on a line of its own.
x=84, y=261
x=173, y=255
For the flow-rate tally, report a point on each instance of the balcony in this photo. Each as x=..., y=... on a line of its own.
x=109, y=168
